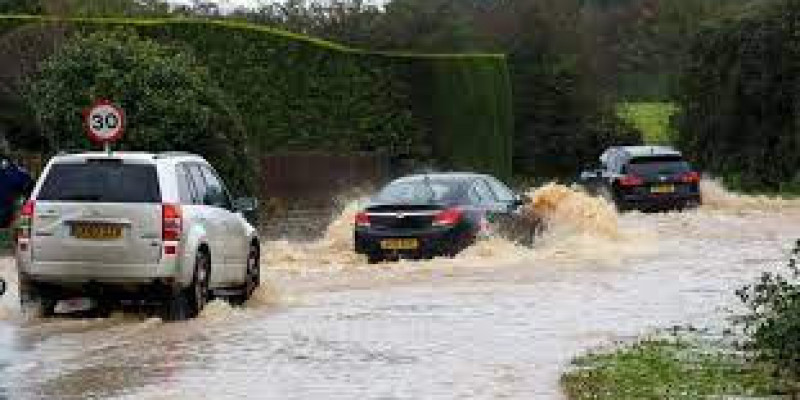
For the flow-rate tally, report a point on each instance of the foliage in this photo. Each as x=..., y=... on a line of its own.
x=652, y=119
x=169, y=99
x=20, y=7
x=466, y=103
x=739, y=98
x=353, y=22
x=561, y=120
x=559, y=117
x=664, y=369
x=291, y=92
x=640, y=45
x=773, y=318
x=86, y=8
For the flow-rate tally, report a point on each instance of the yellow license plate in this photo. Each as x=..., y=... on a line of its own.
x=399, y=244
x=660, y=189
x=97, y=231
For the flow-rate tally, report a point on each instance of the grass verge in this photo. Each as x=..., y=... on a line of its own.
x=650, y=118
x=667, y=369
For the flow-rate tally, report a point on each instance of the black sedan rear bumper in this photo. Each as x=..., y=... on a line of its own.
x=658, y=201
x=431, y=242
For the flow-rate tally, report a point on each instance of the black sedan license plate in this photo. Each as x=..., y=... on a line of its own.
x=400, y=244
x=662, y=189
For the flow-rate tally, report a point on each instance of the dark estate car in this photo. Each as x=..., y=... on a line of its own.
x=644, y=178
x=424, y=216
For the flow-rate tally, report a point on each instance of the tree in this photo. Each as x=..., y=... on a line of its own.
x=23, y=49
x=170, y=100
x=20, y=7
x=444, y=26
x=739, y=98
x=86, y=8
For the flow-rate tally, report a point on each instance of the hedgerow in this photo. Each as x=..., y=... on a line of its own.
x=739, y=97
x=290, y=92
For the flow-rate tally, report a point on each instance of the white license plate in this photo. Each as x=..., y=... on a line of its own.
x=663, y=189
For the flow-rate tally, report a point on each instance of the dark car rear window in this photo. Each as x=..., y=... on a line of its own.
x=650, y=166
x=422, y=191
x=103, y=182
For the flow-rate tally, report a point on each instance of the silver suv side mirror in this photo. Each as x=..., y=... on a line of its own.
x=245, y=204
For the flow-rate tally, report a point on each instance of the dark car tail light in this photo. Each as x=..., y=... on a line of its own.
x=448, y=217
x=630, y=180
x=171, y=222
x=690, y=177
x=362, y=219
x=26, y=220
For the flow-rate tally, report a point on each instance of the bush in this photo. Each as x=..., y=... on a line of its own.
x=562, y=121
x=170, y=100
x=739, y=96
x=296, y=93
x=465, y=104
x=773, y=318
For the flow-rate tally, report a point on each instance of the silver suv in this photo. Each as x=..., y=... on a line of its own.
x=160, y=229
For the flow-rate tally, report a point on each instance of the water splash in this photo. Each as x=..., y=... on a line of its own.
x=333, y=252
x=570, y=211
x=578, y=224
x=717, y=197
x=9, y=302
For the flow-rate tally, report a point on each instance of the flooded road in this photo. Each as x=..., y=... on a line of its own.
x=498, y=322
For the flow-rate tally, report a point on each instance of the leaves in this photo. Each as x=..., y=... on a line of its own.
x=169, y=99
x=773, y=318
x=739, y=93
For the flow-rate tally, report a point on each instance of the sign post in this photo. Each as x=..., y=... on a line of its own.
x=104, y=123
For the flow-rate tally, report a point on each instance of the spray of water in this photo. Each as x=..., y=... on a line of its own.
x=572, y=218
x=717, y=197
x=10, y=299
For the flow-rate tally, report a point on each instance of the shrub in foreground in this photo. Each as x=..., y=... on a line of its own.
x=772, y=322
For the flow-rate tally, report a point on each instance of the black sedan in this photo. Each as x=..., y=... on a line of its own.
x=429, y=215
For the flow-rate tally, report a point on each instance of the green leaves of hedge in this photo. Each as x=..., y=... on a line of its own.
x=286, y=91
x=740, y=92
x=169, y=98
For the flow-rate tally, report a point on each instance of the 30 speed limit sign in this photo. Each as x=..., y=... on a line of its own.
x=104, y=122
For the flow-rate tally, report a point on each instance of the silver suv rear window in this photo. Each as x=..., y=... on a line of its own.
x=107, y=181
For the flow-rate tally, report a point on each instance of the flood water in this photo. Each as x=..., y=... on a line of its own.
x=498, y=322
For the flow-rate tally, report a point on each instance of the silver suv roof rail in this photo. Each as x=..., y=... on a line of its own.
x=167, y=154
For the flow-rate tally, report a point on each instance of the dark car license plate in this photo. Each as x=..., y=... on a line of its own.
x=662, y=189
x=400, y=244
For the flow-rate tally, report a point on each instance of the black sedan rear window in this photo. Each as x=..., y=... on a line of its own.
x=102, y=182
x=652, y=166
x=422, y=191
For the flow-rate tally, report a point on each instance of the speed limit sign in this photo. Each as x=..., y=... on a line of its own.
x=104, y=122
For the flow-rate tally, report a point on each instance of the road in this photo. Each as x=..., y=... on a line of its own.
x=498, y=322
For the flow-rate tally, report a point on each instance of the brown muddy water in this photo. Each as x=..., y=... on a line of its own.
x=498, y=322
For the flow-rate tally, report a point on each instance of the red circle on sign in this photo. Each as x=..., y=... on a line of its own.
x=103, y=134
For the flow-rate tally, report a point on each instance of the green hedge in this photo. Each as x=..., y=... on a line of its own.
x=297, y=93
x=466, y=103
x=740, y=98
